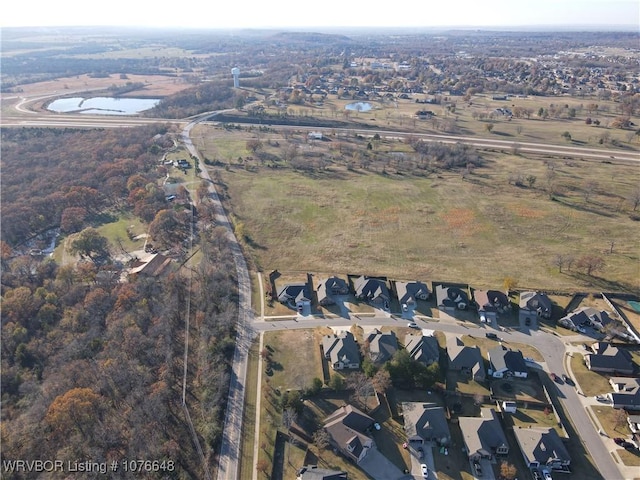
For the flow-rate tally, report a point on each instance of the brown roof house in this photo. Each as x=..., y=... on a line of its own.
x=465, y=359
x=157, y=265
x=346, y=427
x=490, y=303
x=422, y=349
x=607, y=358
x=483, y=436
x=425, y=422
x=542, y=447
x=330, y=287
x=382, y=346
x=341, y=350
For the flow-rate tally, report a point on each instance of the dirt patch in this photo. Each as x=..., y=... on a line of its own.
x=154, y=85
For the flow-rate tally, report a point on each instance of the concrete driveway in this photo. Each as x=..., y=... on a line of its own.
x=380, y=467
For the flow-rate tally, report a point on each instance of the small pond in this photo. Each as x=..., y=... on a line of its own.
x=103, y=105
x=358, y=106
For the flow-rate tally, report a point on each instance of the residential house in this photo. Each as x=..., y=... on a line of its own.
x=505, y=362
x=422, y=349
x=346, y=427
x=330, y=287
x=155, y=266
x=295, y=295
x=534, y=305
x=312, y=472
x=634, y=423
x=425, y=422
x=483, y=436
x=409, y=292
x=451, y=298
x=607, y=358
x=597, y=319
x=341, y=350
x=490, y=303
x=542, y=447
x=382, y=346
x=626, y=393
x=372, y=290
x=465, y=359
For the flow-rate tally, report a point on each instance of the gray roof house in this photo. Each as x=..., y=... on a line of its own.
x=409, y=292
x=330, y=287
x=483, y=436
x=295, y=295
x=341, y=350
x=451, y=298
x=422, y=349
x=626, y=393
x=465, y=359
x=372, y=290
x=505, y=362
x=537, y=302
x=533, y=305
x=425, y=422
x=346, y=427
x=542, y=447
x=607, y=358
x=598, y=319
x=312, y=472
x=382, y=346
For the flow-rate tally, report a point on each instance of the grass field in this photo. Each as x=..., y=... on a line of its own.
x=440, y=226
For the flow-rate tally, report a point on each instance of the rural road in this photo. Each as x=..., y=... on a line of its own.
x=228, y=466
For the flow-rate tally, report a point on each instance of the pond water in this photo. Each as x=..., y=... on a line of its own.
x=103, y=105
x=358, y=106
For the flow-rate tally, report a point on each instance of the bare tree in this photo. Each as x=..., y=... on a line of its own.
x=590, y=264
x=560, y=261
x=634, y=198
x=289, y=417
x=321, y=439
x=382, y=381
x=361, y=386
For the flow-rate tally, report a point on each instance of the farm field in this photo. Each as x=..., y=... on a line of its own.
x=477, y=229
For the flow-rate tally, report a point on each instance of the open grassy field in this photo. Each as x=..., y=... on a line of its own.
x=440, y=226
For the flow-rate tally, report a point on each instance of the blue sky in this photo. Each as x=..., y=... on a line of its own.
x=324, y=13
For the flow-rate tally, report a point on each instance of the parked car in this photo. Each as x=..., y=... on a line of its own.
x=546, y=474
x=619, y=441
x=477, y=469
x=491, y=335
x=581, y=329
x=412, y=325
x=554, y=377
x=425, y=470
x=567, y=380
x=377, y=426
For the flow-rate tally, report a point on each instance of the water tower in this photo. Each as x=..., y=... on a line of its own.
x=235, y=71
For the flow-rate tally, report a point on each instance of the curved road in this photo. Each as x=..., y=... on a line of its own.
x=550, y=346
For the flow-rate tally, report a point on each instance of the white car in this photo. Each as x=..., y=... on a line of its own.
x=425, y=470
x=412, y=325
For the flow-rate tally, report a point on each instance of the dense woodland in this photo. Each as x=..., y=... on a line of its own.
x=92, y=368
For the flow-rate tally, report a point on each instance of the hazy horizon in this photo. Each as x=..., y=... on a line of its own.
x=334, y=15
